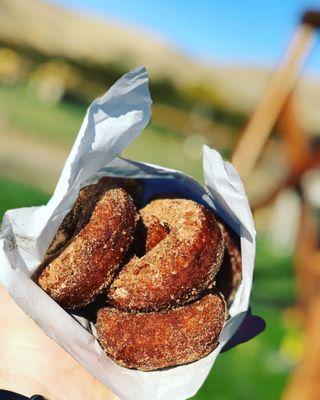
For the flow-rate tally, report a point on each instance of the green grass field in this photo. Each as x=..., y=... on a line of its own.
x=255, y=370
x=59, y=124
x=16, y=195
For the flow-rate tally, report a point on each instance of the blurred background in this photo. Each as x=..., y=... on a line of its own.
x=209, y=63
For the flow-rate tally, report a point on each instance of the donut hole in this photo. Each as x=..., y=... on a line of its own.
x=148, y=237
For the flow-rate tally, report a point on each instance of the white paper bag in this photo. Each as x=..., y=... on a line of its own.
x=111, y=123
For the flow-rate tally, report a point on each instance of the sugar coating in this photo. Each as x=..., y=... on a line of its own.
x=149, y=341
x=163, y=314
x=89, y=245
x=133, y=186
x=181, y=265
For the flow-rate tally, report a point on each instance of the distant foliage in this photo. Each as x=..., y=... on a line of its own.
x=56, y=78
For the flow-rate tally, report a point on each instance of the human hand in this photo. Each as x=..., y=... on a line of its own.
x=31, y=363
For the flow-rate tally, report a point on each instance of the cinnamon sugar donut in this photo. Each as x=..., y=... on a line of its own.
x=91, y=241
x=229, y=277
x=149, y=341
x=133, y=186
x=177, y=268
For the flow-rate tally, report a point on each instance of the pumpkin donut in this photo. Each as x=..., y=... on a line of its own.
x=87, y=249
x=178, y=267
x=149, y=341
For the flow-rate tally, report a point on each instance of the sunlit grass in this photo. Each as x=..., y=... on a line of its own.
x=248, y=371
x=22, y=111
x=16, y=195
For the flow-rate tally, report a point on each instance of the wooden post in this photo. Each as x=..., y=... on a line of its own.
x=298, y=151
x=304, y=382
x=294, y=138
x=267, y=111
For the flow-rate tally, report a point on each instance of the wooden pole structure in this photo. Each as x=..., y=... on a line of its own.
x=298, y=151
x=263, y=119
x=294, y=138
x=304, y=383
x=291, y=181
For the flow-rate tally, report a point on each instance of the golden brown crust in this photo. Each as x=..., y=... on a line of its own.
x=133, y=186
x=149, y=341
x=230, y=275
x=156, y=232
x=77, y=217
x=179, y=267
x=87, y=249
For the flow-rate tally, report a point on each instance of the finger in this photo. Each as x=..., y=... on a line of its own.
x=31, y=363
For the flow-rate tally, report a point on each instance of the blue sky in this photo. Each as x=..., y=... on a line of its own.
x=218, y=31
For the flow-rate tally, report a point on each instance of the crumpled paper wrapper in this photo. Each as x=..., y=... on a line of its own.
x=111, y=123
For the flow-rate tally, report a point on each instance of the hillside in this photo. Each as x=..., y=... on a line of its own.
x=59, y=32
